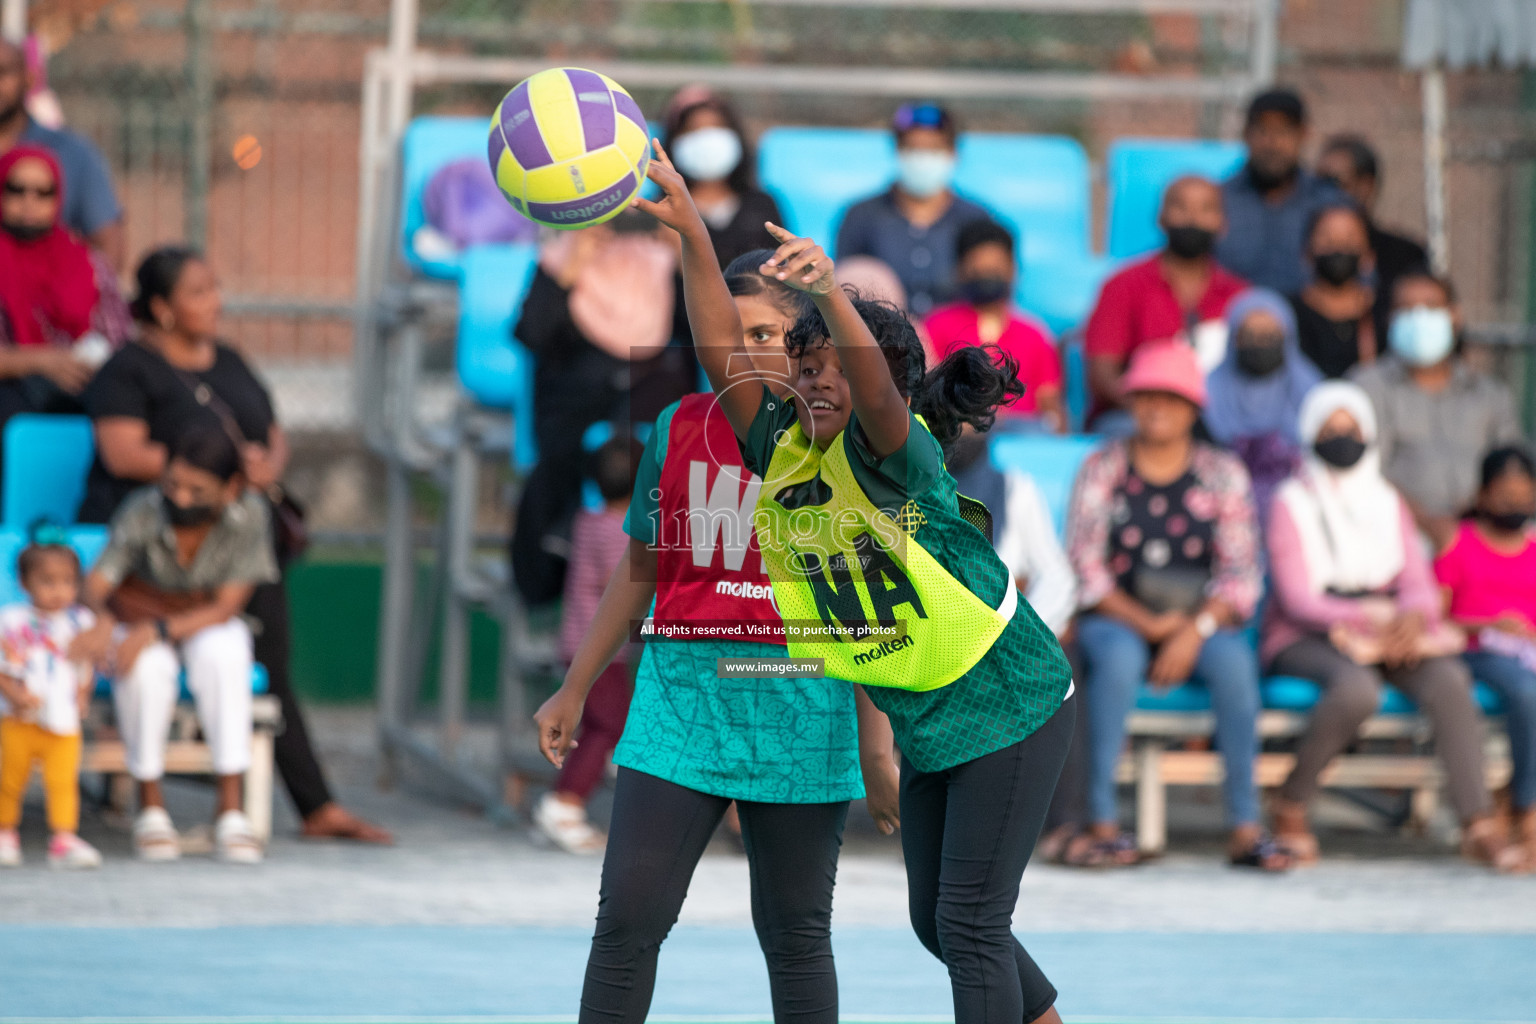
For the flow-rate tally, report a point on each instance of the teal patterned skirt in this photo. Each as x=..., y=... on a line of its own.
x=766, y=740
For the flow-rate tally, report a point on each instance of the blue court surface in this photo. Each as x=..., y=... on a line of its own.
x=332, y=973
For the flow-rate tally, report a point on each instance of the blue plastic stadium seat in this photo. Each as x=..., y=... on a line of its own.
x=1074, y=365
x=817, y=173
x=1287, y=693
x=1037, y=185
x=493, y=367
x=430, y=143
x=1140, y=169
x=1184, y=697
x=47, y=459
x=1051, y=460
x=1061, y=290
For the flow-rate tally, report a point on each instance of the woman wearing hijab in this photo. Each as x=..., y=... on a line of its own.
x=59, y=308
x=1257, y=390
x=1354, y=605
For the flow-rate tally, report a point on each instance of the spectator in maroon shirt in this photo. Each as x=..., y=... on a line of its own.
x=1165, y=295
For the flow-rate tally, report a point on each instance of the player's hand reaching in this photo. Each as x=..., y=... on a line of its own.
x=799, y=262
x=675, y=208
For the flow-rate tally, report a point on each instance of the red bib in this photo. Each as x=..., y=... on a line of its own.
x=709, y=573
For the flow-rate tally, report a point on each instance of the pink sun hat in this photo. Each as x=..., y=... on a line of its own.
x=1168, y=366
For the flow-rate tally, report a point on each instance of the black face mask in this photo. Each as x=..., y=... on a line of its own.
x=1341, y=452
x=189, y=515
x=1188, y=242
x=983, y=291
x=26, y=232
x=1505, y=522
x=1260, y=356
x=1266, y=180
x=1337, y=267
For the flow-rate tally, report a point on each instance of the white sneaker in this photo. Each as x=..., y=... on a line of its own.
x=154, y=837
x=566, y=826
x=234, y=840
x=68, y=852
x=10, y=848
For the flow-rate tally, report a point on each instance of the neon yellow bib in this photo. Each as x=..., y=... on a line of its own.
x=854, y=587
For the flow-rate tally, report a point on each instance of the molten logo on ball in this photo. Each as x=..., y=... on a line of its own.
x=569, y=147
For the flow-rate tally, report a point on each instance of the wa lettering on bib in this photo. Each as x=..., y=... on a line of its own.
x=709, y=570
x=853, y=584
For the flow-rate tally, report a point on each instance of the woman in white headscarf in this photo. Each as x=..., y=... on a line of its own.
x=1354, y=605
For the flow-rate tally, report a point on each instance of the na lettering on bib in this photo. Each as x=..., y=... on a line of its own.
x=847, y=573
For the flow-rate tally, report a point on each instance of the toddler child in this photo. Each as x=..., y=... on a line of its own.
x=46, y=693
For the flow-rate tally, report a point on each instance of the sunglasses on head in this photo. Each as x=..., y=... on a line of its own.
x=13, y=188
x=919, y=115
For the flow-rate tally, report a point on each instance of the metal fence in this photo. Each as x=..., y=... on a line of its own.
x=235, y=124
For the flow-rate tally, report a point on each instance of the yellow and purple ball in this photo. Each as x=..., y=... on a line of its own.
x=569, y=147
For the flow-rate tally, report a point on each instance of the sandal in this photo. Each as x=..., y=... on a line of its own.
x=1293, y=834
x=1264, y=854
x=235, y=841
x=154, y=837
x=1483, y=841
x=1054, y=844
x=1085, y=851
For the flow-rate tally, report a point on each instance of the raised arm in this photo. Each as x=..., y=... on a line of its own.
x=711, y=310
x=882, y=411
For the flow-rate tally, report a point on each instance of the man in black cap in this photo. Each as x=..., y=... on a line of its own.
x=1271, y=199
x=1349, y=161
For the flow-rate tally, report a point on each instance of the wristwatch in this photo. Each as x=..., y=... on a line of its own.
x=1206, y=625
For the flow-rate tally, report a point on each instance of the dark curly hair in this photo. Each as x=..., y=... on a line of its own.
x=743, y=277
x=967, y=387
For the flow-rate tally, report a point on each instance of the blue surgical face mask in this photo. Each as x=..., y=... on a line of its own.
x=924, y=172
x=707, y=154
x=1421, y=336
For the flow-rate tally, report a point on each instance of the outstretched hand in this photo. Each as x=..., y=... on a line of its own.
x=675, y=208
x=799, y=262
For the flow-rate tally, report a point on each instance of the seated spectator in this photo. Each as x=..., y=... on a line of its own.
x=176, y=379
x=985, y=315
x=598, y=545
x=180, y=566
x=90, y=207
x=1270, y=201
x=1257, y=391
x=60, y=313
x=1354, y=606
x=1022, y=531
x=1333, y=310
x=913, y=226
x=1350, y=162
x=1437, y=415
x=709, y=147
x=599, y=319
x=1489, y=578
x=1166, y=295
x=1164, y=541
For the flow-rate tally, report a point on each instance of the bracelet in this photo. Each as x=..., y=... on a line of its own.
x=162, y=631
x=1206, y=625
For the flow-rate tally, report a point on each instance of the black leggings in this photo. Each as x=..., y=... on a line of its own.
x=658, y=833
x=967, y=833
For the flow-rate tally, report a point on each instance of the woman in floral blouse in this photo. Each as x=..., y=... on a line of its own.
x=1164, y=540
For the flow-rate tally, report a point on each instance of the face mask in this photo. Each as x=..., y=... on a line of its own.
x=27, y=232
x=707, y=154
x=1337, y=267
x=983, y=291
x=1188, y=242
x=924, y=172
x=189, y=515
x=1341, y=452
x=1505, y=522
x=1260, y=355
x=1422, y=336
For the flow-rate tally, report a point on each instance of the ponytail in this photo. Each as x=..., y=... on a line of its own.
x=967, y=387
